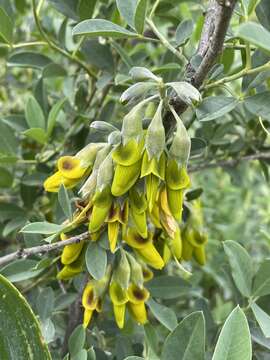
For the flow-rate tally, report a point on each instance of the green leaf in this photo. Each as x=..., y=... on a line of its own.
x=8, y=141
x=183, y=32
x=45, y=303
x=127, y=9
x=20, y=270
x=27, y=59
x=255, y=34
x=262, y=318
x=263, y=13
x=163, y=314
x=36, y=134
x=234, y=342
x=136, y=90
x=53, y=70
x=53, y=114
x=241, y=266
x=42, y=228
x=261, y=286
x=186, y=91
x=34, y=114
x=96, y=260
x=133, y=358
x=76, y=340
x=17, y=320
x=81, y=355
x=6, y=178
x=139, y=16
x=259, y=104
x=214, y=107
x=86, y=8
x=187, y=341
x=6, y=27
x=168, y=287
x=65, y=202
x=100, y=27
x=140, y=73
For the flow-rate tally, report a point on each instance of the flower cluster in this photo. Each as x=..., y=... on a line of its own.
x=133, y=190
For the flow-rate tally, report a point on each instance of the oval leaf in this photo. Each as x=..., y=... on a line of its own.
x=234, y=341
x=96, y=260
x=241, y=266
x=261, y=284
x=100, y=27
x=255, y=34
x=214, y=107
x=187, y=341
x=163, y=314
x=42, y=228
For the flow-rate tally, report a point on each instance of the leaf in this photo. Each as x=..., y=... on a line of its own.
x=127, y=9
x=167, y=287
x=6, y=178
x=36, y=134
x=45, y=303
x=136, y=90
x=53, y=70
x=17, y=319
x=186, y=91
x=20, y=270
x=42, y=228
x=262, y=318
x=27, y=59
x=255, y=34
x=76, y=340
x=187, y=341
x=234, y=342
x=139, y=16
x=8, y=141
x=263, y=13
x=259, y=104
x=6, y=27
x=214, y=107
x=53, y=114
x=96, y=260
x=86, y=8
x=261, y=286
x=64, y=201
x=140, y=73
x=34, y=114
x=100, y=27
x=133, y=358
x=241, y=266
x=163, y=314
x=81, y=355
x=183, y=32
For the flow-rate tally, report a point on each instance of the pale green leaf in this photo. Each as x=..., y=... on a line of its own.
x=42, y=228
x=65, y=202
x=214, y=107
x=234, y=342
x=6, y=27
x=255, y=34
x=262, y=318
x=96, y=260
x=163, y=314
x=34, y=114
x=261, y=284
x=36, y=134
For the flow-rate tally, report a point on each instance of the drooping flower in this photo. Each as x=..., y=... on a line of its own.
x=137, y=297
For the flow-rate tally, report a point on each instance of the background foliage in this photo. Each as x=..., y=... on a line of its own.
x=53, y=85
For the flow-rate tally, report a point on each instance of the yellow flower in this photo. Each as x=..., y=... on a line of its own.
x=167, y=220
x=53, y=183
x=71, y=270
x=128, y=154
x=90, y=302
x=125, y=177
x=116, y=217
x=138, y=206
x=145, y=248
x=70, y=167
x=70, y=252
x=137, y=297
x=102, y=201
x=119, y=299
x=147, y=274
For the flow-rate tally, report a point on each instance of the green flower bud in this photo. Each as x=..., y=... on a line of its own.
x=155, y=136
x=122, y=273
x=136, y=271
x=132, y=124
x=105, y=173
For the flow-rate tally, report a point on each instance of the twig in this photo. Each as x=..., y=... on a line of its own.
x=27, y=252
x=54, y=46
x=230, y=162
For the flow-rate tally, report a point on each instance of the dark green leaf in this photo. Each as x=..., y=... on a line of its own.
x=168, y=287
x=263, y=13
x=214, y=107
x=8, y=141
x=65, y=202
x=76, y=340
x=259, y=104
x=183, y=32
x=6, y=178
x=241, y=266
x=53, y=70
x=45, y=303
x=100, y=27
x=187, y=341
x=139, y=16
x=29, y=59
x=163, y=314
x=86, y=8
x=96, y=260
x=53, y=114
x=234, y=341
x=20, y=270
x=34, y=114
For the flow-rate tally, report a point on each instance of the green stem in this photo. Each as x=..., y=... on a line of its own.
x=164, y=41
x=238, y=75
x=55, y=47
